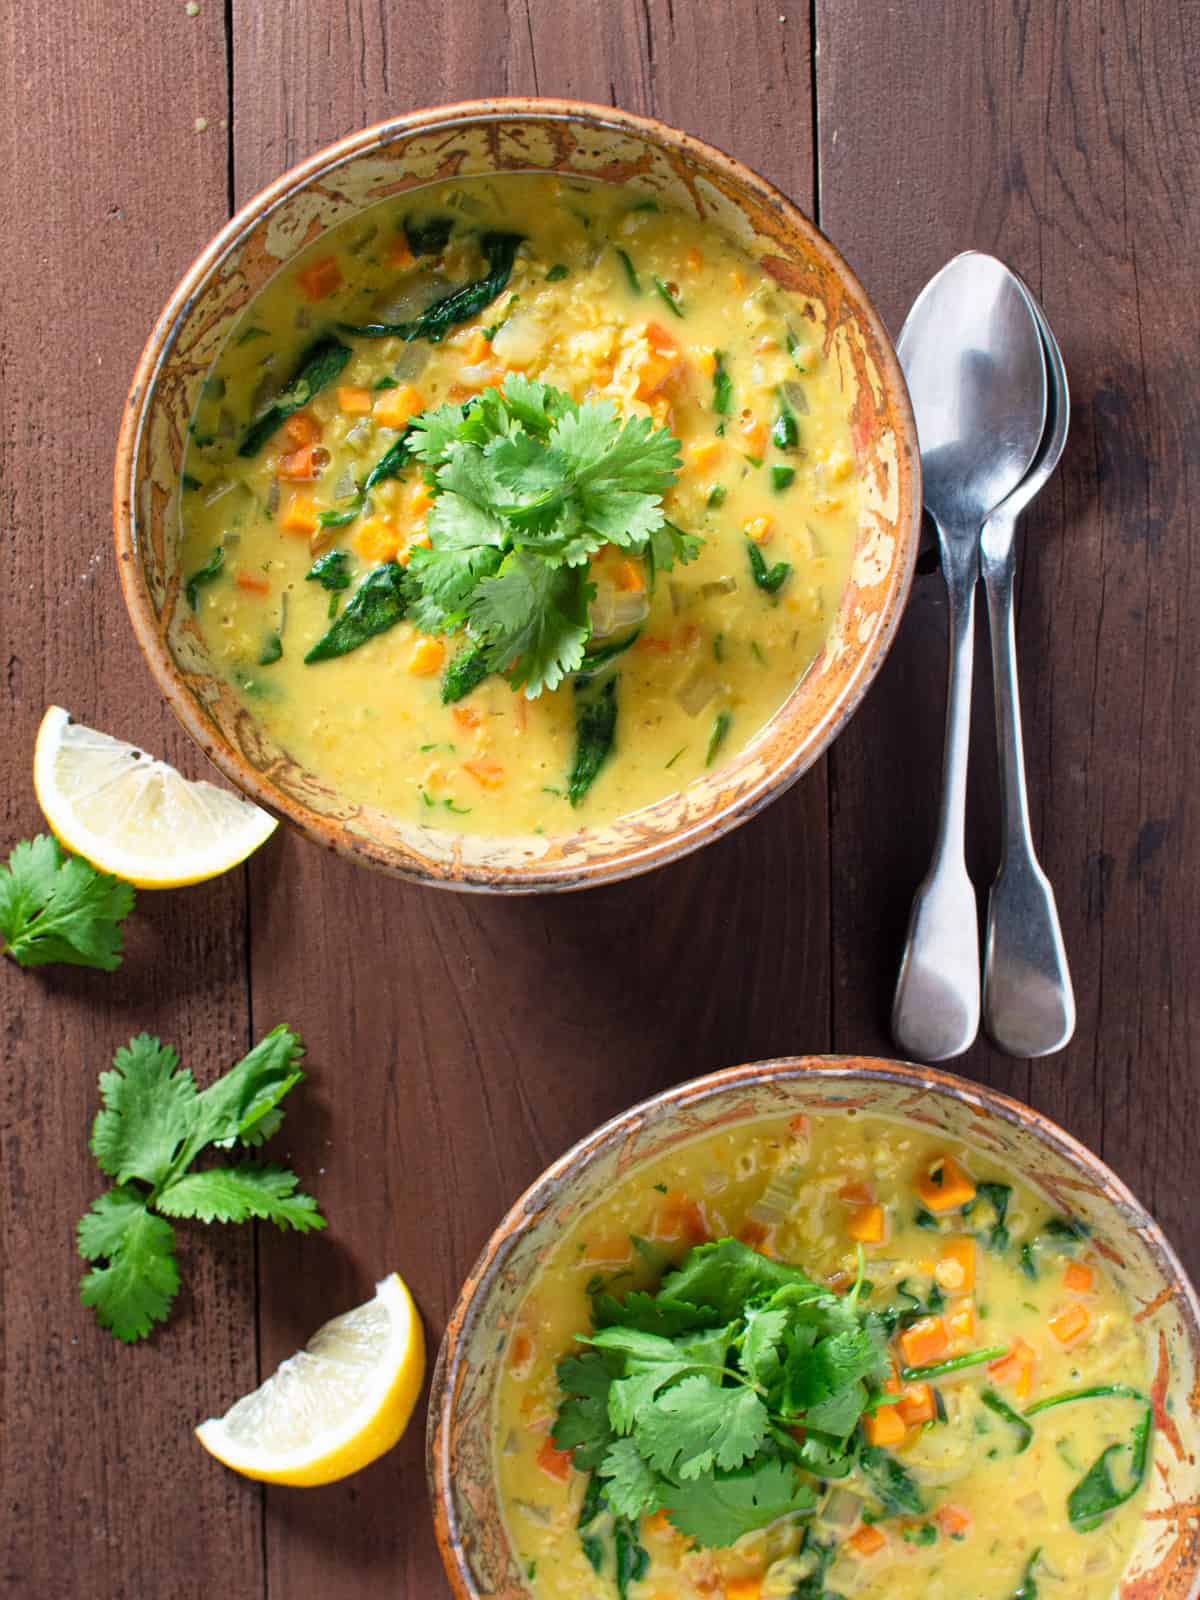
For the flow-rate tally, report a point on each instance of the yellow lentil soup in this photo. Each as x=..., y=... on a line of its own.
x=827, y=1357
x=518, y=503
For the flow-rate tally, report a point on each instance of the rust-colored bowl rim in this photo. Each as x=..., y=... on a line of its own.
x=547, y=1190
x=332, y=834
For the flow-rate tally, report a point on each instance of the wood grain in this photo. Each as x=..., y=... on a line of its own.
x=458, y=1044
x=107, y=190
x=1055, y=137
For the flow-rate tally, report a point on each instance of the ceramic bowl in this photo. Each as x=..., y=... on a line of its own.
x=471, y=1534
x=489, y=136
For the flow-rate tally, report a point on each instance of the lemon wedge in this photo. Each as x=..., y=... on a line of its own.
x=336, y=1405
x=136, y=817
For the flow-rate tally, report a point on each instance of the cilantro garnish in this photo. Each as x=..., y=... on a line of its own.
x=528, y=485
x=153, y=1125
x=56, y=907
x=685, y=1400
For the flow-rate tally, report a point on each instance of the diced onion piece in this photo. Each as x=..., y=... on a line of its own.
x=715, y=1182
x=415, y=293
x=534, y=1512
x=697, y=689
x=777, y=1199
x=512, y=1443
x=518, y=341
x=614, y=610
x=841, y=1510
x=356, y=438
x=217, y=490
x=1030, y=1505
x=795, y=396
x=725, y=585
x=346, y=484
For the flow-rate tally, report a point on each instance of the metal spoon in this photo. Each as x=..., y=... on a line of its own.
x=1028, y=1001
x=972, y=354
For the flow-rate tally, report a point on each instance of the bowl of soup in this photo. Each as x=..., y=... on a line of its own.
x=516, y=495
x=816, y=1328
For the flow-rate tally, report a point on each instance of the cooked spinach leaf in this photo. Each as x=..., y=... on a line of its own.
x=781, y=478
x=318, y=367
x=1027, y=1588
x=632, y=1559
x=1002, y=1409
x=1096, y=1494
x=434, y=323
x=466, y=672
x=891, y=1482
x=722, y=387
x=595, y=733
x=428, y=236
x=998, y=1196
x=271, y=651
x=631, y=276
x=717, y=737
x=769, y=579
x=785, y=433
x=378, y=603
x=665, y=293
x=558, y=272
x=202, y=575
x=330, y=570
x=392, y=462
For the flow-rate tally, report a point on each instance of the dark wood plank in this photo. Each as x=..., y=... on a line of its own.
x=107, y=190
x=1055, y=137
x=459, y=1044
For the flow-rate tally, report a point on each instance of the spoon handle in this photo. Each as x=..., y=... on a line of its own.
x=1028, y=1000
x=935, y=1013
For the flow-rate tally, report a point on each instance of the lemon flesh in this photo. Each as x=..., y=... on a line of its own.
x=336, y=1405
x=134, y=816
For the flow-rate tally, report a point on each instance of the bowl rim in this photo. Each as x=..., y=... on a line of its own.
x=545, y=1190
x=640, y=856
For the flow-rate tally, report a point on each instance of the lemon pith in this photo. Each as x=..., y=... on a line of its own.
x=335, y=1406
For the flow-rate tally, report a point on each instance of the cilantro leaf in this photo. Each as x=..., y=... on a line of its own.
x=719, y=1509
x=55, y=907
x=651, y=1313
x=532, y=620
x=152, y=1125
x=235, y=1194
x=149, y=1110
x=698, y=1425
x=433, y=432
x=141, y=1280
x=761, y=1355
x=727, y=1275
x=629, y=1485
x=466, y=548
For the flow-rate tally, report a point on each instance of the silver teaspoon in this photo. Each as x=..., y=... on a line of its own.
x=972, y=355
x=1028, y=1000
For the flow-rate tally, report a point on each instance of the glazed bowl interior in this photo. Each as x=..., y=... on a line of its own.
x=471, y=1532
x=482, y=138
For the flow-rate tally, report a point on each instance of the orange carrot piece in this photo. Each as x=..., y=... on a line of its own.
x=694, y=259
x=800, y=1126
x=884, y=1426
x=395, y=406
x=520, y=1349
x=1079, y=1278
x=867, y=1540
x=866, y=1224
x=758, y=528
x=657, y=1525
x=856, y=1194
x=628, y=577
x=376, y=539
x=660, y=340
x=298, y=466
x=399, y=255
x=960, y=1320
x=916, y=1405
x=299, y=515
x=426, y=656
x=1071, y=1324
x=1015, y=1368
x=648, y=644
x=466, y=716
x=754, y=436
x=957, y=1272
x=944, y=1186
x=952, y=1521
x=353, y=399
x=555, y=1463
x=301, y=428
x=252, y=582
x=703, y=453
x=488, y=774
x=680, y=1218
x=320, y=279
x=925, y=1341
x=743, y=1588
x=611, y=1250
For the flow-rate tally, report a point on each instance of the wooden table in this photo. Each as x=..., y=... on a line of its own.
x=457, y=1044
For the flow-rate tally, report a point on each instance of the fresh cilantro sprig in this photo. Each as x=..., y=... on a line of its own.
x=685, y=1400
x=527, y=486
x=153, y=1125
x=55, y=907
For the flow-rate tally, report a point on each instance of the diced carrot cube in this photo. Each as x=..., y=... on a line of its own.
x=884, y=1426
x=916, y=1405
x=301, y=428
x=426, y=656
x=353, y=399
x=520, y=1349
x=298, y=465
x=299, y=515
x=395, y=407
x=555, y=1463
x=856, y=1193
x=418, y=541
x=866, y=1224
x=757, y=1235
x=737, y=279
x=758, y=528
x=867, y=1540
x=657, y=1525
x=703, y=454
x=955, y=1272
x=680, y=1218
x=319, y=279
x=377, y=539
x=892, y=1384
x=1071, y=1324
x=800, y=1126
x=1079, y=1278
x=659, y=339
x=694, y=259
x=960, y=1320
x=754, y=436
x=925, y=1341
x=466, y=717
x=419, y=500
x=252, y=582
x=743, y=1589
x=628, y=577
x=1015, y=1368
x=952, y=1521
x=398, y=253
x=478, y=346
x=649, y=644
x=488, y=774
x=944, y=1186
x=609, y=1250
